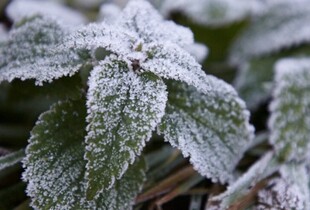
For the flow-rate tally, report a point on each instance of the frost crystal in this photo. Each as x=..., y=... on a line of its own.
x=274, y=29
x=55, y=165
x=263, y=168
x=123, y=109
x=290, y=122
x=210, y=127
x=290, y=191
x=19, y=9
x=34, y=51
x=11, y=159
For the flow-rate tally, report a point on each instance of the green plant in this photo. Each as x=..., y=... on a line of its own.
x=109, y=95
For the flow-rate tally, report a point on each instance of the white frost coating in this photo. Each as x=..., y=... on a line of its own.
x=266, y=166
x=11, y=159
x=289, y=123
x=34, y=51
x=124, y=108
x=283, y=25
x=210, y=127
x=140, y=35
x=198, y=50
x=212, y=12
x=171, y=62
x=109, y=12
x=19, y=9
x=3, y=32
x=290, y=191
x=141, y=17
x=55, y=166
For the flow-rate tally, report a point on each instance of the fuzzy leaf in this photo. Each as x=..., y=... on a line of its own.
x=123, y=109
x=34, y=51
x=274, y=30
x=11, y=159
x=19, y=9
x=290, y=191
x=210, y=127
x=290, y=122
x=55, y=166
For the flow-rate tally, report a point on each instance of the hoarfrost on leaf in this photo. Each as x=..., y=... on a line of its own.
x=210, y=127
x=141, y=17
x=20, y=9
x=34, y=51
x=263, y=168
x=169, y=61
x=123, y=109
x=55, y=166
x=273, y=30
x=212, y=12
x=289, y=122
x=290, y=191
x=11, y=159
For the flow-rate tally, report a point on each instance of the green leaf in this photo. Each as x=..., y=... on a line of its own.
x=55, y=167
x=211, y=128
x=289, y=121
x=124, y=108
x=34, y=51
x=11, y=159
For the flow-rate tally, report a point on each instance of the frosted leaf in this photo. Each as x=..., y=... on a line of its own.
x=11, y=159
x=102, y=35
x=210, y=128
x=172, y=62
x=274, y=30
x=20, y=9
x=289, y=122
x=263, y=168
x=141, y=17
x=109, y=12
x=212, y=12
x=198, y=50
x=123, y=109
x=3, y=33
x=253, y=81
x=55, y=166
x=34, y=51
x=290, y=191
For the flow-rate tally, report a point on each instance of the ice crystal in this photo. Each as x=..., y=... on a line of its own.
x=123, y=109
x=274, y=29
x=264, y=167
x=289, y=122
x=55, y=165
x=210, y=127
x=34, y=51
x=20, y=9
x=11, y=159
x=290, y=191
